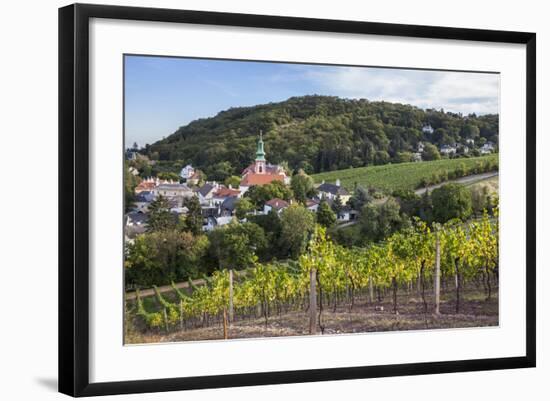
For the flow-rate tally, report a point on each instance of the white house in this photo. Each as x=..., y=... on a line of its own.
x=312, y=205
x=213, y=222
x=487, y=148
x=447, y=150
x=206, y=192
x=276, y=204
x=332, y=191
x=187, y=172
x=427, y=129
x=173, y=190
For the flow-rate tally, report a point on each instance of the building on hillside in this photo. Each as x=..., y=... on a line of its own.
x=173, y=190
x=135, y=224
x=275, y=204
x=187, y=172
x=448, y=150
x=332, y=191
x=260, y=172
x=427, y=129
x=206, y=192
x=228, y=206
x=213, y=222
x=487, y=148
x=312, y=204
x=346, y=214
x=222, y=193
x=142, y=200
x=147, y=184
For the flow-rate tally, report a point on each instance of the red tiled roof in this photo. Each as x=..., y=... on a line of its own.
x=224, y=192
x=311, y=202
x=145, y=185
x=277, y=203
x=260, y=179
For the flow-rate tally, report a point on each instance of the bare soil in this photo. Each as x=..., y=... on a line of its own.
x=475, y=311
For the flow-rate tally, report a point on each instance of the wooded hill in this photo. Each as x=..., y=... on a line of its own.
x=316, y=133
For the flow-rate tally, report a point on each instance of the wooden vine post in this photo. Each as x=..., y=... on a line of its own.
x=312, y=301
x=224, y=323
x=231, y=311
x=437, y=272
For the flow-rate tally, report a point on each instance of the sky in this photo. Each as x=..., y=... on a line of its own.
x=165, y=93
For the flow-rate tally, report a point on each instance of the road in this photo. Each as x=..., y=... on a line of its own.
x=470, y=179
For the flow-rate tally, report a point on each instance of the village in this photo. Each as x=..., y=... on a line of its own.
x=219, y=202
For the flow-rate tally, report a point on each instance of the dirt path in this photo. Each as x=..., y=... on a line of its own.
x=363, y=318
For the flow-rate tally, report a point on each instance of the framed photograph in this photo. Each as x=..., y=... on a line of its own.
x=250, y=199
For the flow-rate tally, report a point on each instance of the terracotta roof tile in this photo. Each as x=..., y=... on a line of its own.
x=260, y=179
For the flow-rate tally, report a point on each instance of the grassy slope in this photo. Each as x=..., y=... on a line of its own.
x=397, y=176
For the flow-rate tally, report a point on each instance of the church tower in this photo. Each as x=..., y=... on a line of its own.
x=259, y=163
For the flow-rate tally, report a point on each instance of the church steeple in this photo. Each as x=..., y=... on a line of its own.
x=260, y=154
x=259, y=164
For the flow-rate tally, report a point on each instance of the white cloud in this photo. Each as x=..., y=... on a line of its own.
x=453, y=91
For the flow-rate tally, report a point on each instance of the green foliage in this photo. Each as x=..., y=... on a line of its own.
x=193, y=220
x=233, y=181
x=402, y=258
x=325, y=216
x=360, y=198
x=430, y=152
x=160, y=218
x=393, y=177
x=380, y=221
x=297, y=224
x=302, y=186
x=167, y=175
x=130, y=184
x=236, y=245
x=451, y=201
x=162, y=256
x=243, y=206
x=220, y=171
x=260, y=194
x=315, y=133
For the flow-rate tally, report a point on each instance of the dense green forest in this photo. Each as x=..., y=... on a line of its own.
x=316, y=134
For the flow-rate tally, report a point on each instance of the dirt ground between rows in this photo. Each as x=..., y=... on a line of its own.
x=363, y=318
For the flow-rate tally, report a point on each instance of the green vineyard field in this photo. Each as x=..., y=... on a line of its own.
x=405, y=176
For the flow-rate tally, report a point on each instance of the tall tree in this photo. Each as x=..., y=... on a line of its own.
x=325, y=216
x=193, y=220
x=451, y=201
x=160, y=217
x=302, y=185
x=297, y=224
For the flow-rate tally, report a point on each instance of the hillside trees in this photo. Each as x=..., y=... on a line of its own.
x=325, y=216
x=297, y=224
x=315, y=133
x=302, y=186
x=451, y=201
x=380, y=221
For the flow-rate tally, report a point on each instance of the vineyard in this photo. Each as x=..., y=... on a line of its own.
x=405, y=176
x=330, y=278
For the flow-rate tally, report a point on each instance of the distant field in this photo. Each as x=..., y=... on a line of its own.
x=390, y=177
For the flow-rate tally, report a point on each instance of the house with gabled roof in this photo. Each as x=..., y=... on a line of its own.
x=275, y=204
x=332, y=191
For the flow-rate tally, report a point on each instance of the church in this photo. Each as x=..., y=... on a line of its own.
x=261, y=173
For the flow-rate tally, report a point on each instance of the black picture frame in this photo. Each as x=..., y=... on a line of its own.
x=74, y=204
